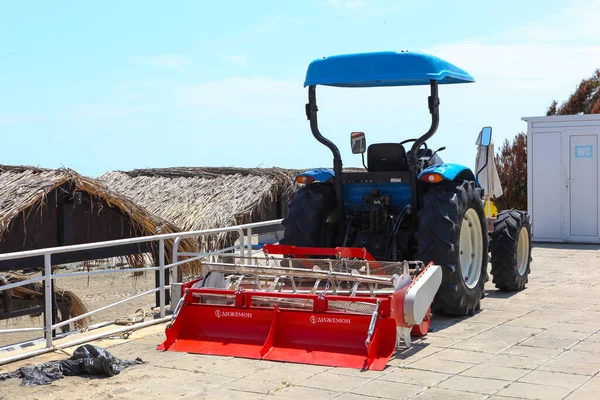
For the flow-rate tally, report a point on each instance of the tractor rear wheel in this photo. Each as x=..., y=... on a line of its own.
x=306, y=224
x=510, y=246
x=453, y=234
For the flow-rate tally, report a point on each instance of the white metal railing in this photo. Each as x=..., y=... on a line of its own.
x=243, y=248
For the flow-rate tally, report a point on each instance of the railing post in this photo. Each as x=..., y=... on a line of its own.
x=48, y=300
x=249, y=242
x=174, y=269
x=161, y=277
x=242, y=242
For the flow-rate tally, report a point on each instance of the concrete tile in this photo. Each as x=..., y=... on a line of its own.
x=463, y=330
x=576, y=329
x=534, y=392
x=440, y=322
x=413, y=353
x=473, y=357
x=360, y=373
x=582, y=394
x=388, y=390
x=333, y=382
x=438, y=341
x=482, y=345
x=567, y=305
x=473, y=385
x=145, y=349
x=503, y=398
x=156, y=391
x=486, y=370
x=495, y=317
x=529, y=300
x=588, y=390
x=568, y=381
x=539, y=353
x=415, y=377
x=514, y=361
x=297, y=392
x=593, y=338
x=550, y=342
x=223, y=393
x=446, y=394
x=237, y=367
x=539, y=321
x=436, y=365
x=276, y=378
x=589, y=347
x=574, y=362
x=355, y=396
x=193, y=381
x=508, y=335
x=191, y=362
x=264, y=385
x=517, y=333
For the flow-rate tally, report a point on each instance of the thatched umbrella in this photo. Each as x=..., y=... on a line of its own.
x=24, y=192
x=204, y=197
x=25, y=188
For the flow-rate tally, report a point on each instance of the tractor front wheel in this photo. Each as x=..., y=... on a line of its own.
x=510, y=246
x=453, y=234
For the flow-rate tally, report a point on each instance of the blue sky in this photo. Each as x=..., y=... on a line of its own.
x=137, y=84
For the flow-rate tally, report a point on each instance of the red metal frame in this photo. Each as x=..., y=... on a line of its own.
x=334, y=252
x=313, y=336
x=342, y=252
x=317, y=335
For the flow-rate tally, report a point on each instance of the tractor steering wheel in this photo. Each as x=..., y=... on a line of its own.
x=422, y=149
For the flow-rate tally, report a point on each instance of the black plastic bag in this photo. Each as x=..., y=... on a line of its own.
x=86, y=360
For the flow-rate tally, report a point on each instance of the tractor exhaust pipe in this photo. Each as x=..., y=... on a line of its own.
x=311, y=114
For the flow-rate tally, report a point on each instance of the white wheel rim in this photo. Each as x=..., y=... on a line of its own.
x=471, y=248
x=523, y=251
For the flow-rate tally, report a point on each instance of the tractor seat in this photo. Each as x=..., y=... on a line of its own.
x=386, y=157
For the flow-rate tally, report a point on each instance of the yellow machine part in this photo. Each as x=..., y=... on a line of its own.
x=492, y=208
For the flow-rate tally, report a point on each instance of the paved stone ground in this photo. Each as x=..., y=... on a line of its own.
x=542, y=343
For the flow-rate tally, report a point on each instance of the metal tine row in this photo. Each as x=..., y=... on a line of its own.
x=265, y=275
x=315, y=272
x=341, y=277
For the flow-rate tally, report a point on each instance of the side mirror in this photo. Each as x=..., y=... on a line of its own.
x=358, y=142
x=486, y=136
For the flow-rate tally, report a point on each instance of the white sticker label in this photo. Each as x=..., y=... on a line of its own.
x=396, y=180
x=328, y=320
x=234, y=314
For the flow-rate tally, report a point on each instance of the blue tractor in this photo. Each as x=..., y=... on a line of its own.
x=407, y=204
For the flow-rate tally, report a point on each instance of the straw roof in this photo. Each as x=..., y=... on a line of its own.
x=204, y=197
x=24, y=189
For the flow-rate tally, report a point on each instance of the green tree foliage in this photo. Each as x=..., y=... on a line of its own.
x=511, y=162
x=585, y=99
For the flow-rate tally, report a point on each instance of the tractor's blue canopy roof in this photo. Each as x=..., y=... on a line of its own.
x=386, y=68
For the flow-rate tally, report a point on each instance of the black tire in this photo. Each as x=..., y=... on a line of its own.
x=306, y=222
x=438, y=236
x=503, y=247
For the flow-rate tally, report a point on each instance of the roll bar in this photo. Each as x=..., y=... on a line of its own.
x=311, y=115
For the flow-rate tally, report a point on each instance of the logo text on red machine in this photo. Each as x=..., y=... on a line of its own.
x=234, y=314
x=329, y=320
